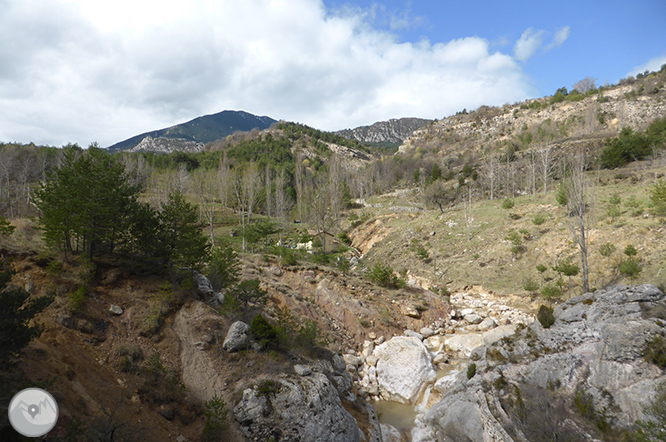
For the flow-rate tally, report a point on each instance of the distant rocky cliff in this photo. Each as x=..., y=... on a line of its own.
x=392, y=131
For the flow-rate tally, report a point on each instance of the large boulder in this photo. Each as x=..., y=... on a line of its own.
x=237, y=337
x=305, y=408
x=403, y=369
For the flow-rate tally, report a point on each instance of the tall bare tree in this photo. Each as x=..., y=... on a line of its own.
x=579, y=208
x=491, y=168
x=547, y=164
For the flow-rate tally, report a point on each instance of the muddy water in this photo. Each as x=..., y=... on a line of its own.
x=401, y=416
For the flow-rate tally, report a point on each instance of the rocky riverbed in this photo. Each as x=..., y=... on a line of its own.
x=462, y=378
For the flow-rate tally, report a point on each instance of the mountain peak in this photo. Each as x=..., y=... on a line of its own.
x=194, y=134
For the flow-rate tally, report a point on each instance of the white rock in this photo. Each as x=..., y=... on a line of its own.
x=390, y=433
x=413, y=334
x=426, y=332
x=473, y=318
x=466, y=311
x=116, y=309
x=404, y=369
x=302, y=370
x=487, y=324
x=368, y=348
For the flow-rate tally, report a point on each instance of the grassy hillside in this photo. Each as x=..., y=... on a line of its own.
x=500, y=248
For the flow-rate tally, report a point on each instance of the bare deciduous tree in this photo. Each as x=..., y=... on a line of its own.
x=586, y=84
x=579, y=208
x=491, y=168
x=547, y=164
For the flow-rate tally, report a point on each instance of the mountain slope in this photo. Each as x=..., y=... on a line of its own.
x=192, y=135
x=391, y=131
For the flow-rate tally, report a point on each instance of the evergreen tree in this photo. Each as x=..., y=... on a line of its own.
x=86, y=203
x=184, y=242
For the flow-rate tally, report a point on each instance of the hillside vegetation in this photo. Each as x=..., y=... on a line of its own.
x=530, y=203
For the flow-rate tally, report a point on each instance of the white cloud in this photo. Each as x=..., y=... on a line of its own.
x=82, y=71
x=653, y=65
x=528, y=44
x=560, y=37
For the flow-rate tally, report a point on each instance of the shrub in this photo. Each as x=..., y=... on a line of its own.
x=530, y=285
x=308, y=335
x=607, y=249
x=655, y=351
x=77, y=298
x=658, y=198
x=289, y=257
x=630, y=267
x=627, y=147
x=343, y=264
x=383, y=275
x=248, y=292
x=268, y=388
x=561, y=194
x=471, y=370
x=539, y=219
x=508, y=203
x=630, y=250
x=545, y=316
x=584, y=404
x=216, y=415
x=264, y=333
x=344, y=238
x=6, y=227
x=224, y=266
x=551, y=291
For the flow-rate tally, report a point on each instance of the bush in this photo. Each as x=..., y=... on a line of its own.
x=216, y=414
x=248, y=292
x=551, y=291
x=655, y=351
x=561, y=194
x=630, y=267
x=77, y=298
x=343, y=264
x=530, y=285
x=471, y=370
x=658, y=198
x=627, y=147
x=630, y=250
x=539, y=219
x=384, y=276
x=545, y=316
x=289, y=257
x=508, y=203
x=308, y=335
x=263, y=332
x=607, y=249
x=224, y=266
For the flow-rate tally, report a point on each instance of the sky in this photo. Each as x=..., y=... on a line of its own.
x=81, y=71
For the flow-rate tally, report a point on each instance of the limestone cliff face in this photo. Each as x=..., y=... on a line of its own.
x=394, y=130
x=590, y=359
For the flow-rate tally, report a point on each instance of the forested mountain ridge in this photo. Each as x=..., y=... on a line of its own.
x=194, y=134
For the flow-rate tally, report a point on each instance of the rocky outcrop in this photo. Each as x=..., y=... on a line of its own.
x=393, y=131
x=592, y=352
x=302, y=408
x=402, y=370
